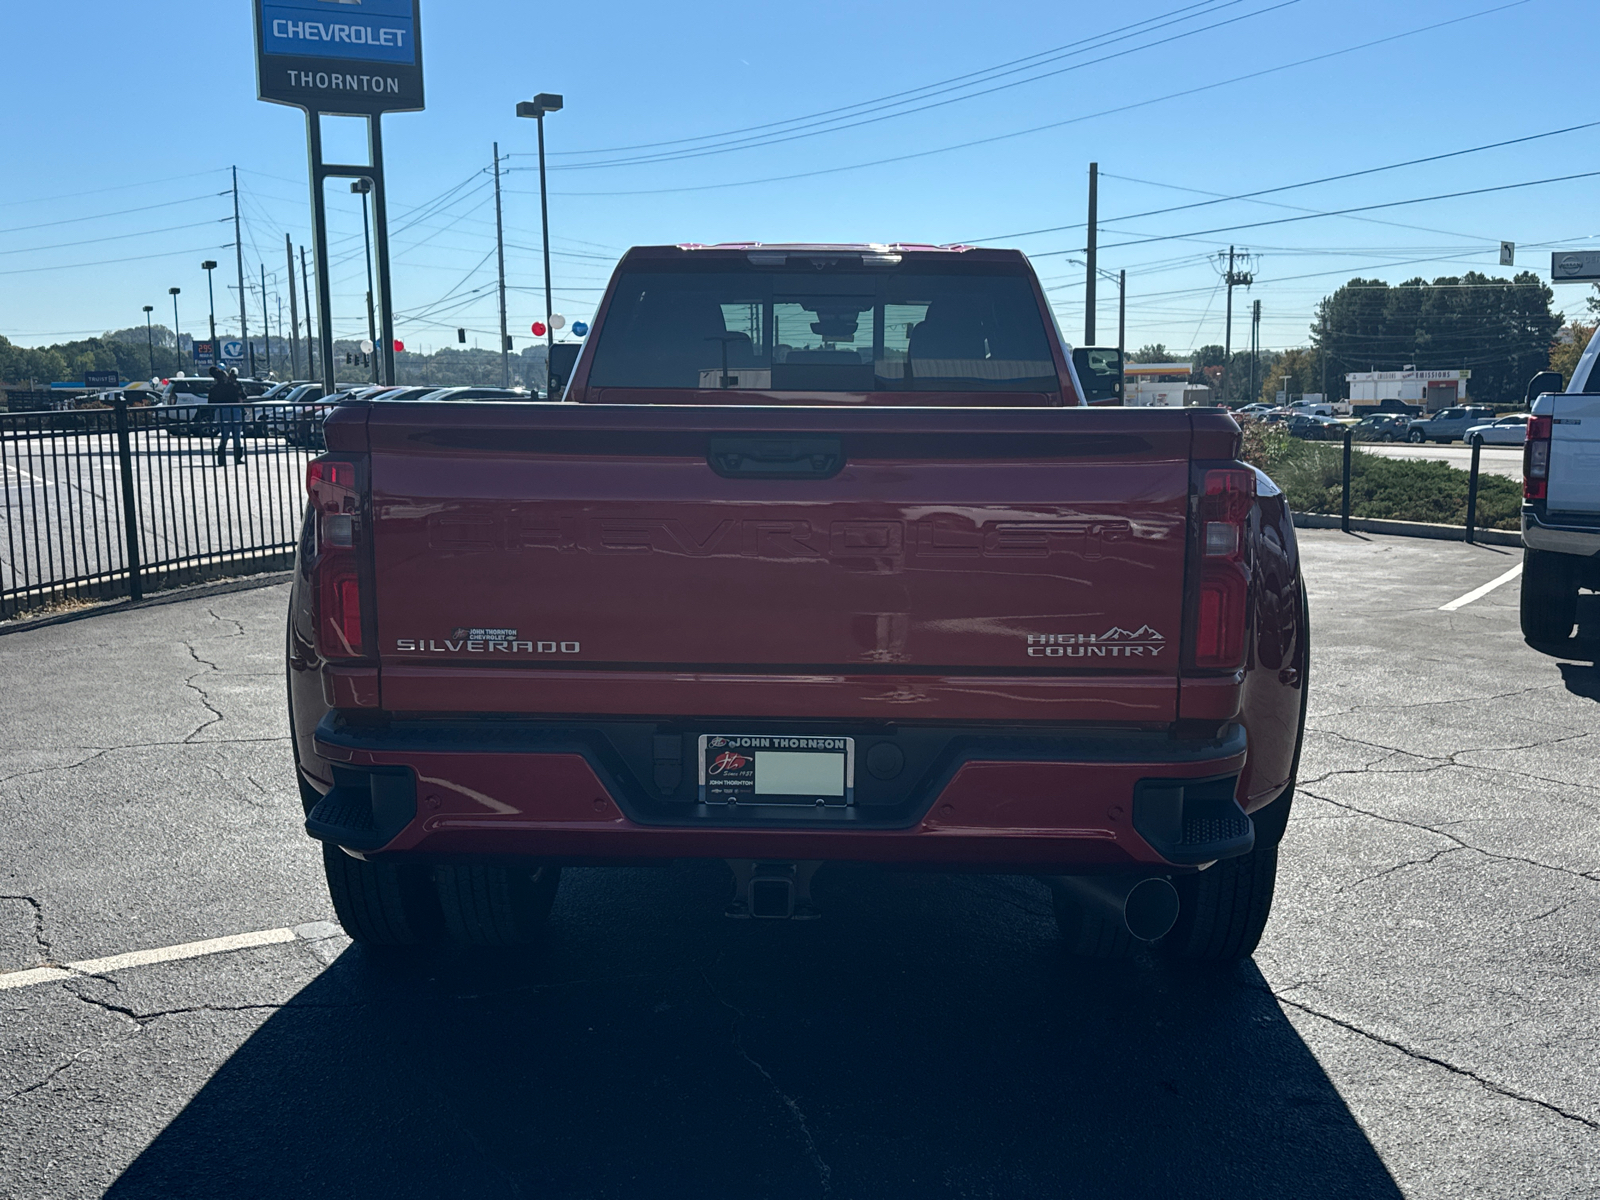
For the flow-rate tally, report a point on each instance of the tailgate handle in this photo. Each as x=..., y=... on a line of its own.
x=776, y=458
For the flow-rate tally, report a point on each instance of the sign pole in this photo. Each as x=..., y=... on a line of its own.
x=380, y=237
x=319, y=249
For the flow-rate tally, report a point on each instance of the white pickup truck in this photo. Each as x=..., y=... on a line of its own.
x=1561, y=499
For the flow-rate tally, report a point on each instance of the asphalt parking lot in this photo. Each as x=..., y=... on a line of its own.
x=1494, y=460
x=1420, y=1020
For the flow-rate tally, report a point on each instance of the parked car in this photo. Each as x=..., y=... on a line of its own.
x=826, y=608
x=1257, y=409
x=1314, y=428
x=1561, y=500
x=1315, y=408
x=1448, y=425
x=1382, y=427
x=1510, y=430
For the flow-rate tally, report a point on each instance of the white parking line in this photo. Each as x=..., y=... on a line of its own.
x=1480, y=592
x=144, y=958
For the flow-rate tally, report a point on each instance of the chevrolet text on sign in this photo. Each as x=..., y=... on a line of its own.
x=353, y=56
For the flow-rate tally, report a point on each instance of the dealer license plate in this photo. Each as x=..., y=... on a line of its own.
x=767, y=769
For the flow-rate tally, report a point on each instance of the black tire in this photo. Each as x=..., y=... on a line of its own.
x=1549, y=596
x=381, y=904
x=1223, y=910
x=496, y=906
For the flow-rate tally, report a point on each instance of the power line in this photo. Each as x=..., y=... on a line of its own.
x=119, y=187
x=103, y=216
x=1287, y=187
x=881, y=100
x=754, y=142
x=1001, y=137
x=115, y=237
x=1344, y=212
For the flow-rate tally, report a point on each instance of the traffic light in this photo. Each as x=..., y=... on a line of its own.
x=509, y=346
x=461, y=336
x=349, y=358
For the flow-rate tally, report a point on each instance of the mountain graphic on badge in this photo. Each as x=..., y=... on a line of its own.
x=1118, y=634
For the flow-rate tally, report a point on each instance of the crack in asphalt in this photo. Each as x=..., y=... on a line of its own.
x=1410, y=862
x=205, y=699
x=824, y=1171
x=1460, y=843
x=1441, y=763
x=39, y=937
x=1486, y=1083
x=141, y=1019
x=237, y=625
x=101, y=751
x=1344, y=712
x=75, y=1060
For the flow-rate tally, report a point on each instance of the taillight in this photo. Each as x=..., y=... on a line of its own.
x=1222, y=588
x=1536, y=458
x=331, y=485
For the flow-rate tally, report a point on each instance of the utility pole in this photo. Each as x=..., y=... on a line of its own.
x=1093, y=254
x=1122, y=337
x=266, y=319
x=1233, y=279
x=311, y=334
x=238, y=245
x=1325, y=354
x=500, y=250
x=294, y=311
x=1255, y=347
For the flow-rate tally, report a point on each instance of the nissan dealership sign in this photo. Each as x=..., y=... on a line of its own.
x=340, y=56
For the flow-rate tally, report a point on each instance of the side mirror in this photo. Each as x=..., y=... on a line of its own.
x=1544, y=381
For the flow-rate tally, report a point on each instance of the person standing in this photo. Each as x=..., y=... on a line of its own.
x=226, y=395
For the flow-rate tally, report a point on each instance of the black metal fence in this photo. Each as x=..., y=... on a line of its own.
x=118, y=501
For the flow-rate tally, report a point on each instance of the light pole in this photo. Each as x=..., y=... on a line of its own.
x=209, y=266
x=536, y=108
x=364, y=188
x=177, y=339
x=150, y=337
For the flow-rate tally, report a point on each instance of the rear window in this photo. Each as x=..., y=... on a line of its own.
x=906, y=328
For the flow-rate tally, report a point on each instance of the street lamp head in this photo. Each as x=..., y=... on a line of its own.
x=361, y=187
x=149, y=308
x=173, y=291
x=208, y=265
x=544, y=102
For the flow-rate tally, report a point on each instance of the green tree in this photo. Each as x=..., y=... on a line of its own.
x=1499, y=329
x=1564, y=356
x=1156, y=353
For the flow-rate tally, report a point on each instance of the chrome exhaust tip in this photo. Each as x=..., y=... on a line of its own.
x=1147, y=907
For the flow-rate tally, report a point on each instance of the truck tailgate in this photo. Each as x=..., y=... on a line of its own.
x=536, y=558
x=1575, y=455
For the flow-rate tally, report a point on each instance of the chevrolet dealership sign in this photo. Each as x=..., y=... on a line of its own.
x=340, y=56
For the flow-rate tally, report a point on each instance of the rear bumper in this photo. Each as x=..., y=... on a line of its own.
x=446, y=789
x=1559, y=536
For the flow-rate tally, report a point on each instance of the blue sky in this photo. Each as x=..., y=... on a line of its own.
x=144, y=107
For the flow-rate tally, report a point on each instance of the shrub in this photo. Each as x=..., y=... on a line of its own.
x=1312, y=476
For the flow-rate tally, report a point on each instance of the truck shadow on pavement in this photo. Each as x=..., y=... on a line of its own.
x=926, y=1038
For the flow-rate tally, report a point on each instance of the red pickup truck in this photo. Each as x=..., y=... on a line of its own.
x=821, y=558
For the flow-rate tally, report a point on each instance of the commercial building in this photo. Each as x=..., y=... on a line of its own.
x=1433, y=390
x=1163, y=385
